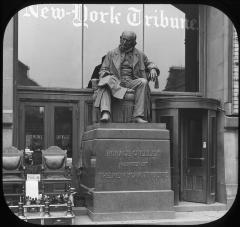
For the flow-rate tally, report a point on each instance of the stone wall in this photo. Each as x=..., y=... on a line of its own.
x=8, y=85
x=231, y=162
x=219, y=61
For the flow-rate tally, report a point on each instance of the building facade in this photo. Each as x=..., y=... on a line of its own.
x=47, y=66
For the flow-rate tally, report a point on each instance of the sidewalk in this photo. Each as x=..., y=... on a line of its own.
x=181, y=218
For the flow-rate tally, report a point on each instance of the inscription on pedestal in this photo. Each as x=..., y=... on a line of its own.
x=137, y=178
x=131, y=153
x=142, y=158
x=126, y=167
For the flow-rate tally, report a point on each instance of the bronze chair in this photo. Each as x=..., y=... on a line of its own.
x=121, y=109
x=55, y=172
x=13, y=173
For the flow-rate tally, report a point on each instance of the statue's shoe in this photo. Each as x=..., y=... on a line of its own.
x=105, y=117
x=139, y=120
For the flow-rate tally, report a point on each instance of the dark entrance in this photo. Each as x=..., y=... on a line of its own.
x=194, y=157
x=192, y=125
x=198, y=156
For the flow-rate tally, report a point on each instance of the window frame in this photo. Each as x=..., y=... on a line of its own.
x=202, y=59
x=48, y=121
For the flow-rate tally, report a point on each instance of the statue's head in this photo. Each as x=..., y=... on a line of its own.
x=127, y=40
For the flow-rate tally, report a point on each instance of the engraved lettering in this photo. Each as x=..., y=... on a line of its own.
x=132, y=164
x=132, y=153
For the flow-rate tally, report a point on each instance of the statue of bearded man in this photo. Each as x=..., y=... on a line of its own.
x=124, y=68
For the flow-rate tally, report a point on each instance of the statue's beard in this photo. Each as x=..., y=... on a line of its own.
x=126, y=48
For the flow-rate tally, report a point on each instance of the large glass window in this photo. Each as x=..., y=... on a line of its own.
x=170, y=40
x=164, y=40
x=60, y=45
x=50, y=46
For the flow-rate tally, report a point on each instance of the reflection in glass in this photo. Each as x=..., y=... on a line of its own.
x=23, y=75
x=63, y=128
x=170, y=40
x=34, y=127
x=103, y=27
x=51, y=51
x=49, y=45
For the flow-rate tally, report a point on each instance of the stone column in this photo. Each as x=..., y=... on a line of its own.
x=231, y=158
x=8, y=84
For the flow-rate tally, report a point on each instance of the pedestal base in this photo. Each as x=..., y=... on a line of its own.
x=131, y=205
x=127, y=172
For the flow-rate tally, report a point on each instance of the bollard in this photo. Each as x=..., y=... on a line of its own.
x=46, y=208
x=69, y=208
x=20, y=208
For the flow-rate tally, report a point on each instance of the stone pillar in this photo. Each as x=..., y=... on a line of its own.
x=126, y=173
x=231, y=158
x=8, y=84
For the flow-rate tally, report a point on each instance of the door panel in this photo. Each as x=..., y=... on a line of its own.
x=63, y=128
x=194, y=157
x=44, y=124
x=32, y=130
x=34, y=127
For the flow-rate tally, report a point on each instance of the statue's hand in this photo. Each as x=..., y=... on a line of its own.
x=153, y=74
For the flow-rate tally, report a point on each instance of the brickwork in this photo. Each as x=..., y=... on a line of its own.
x=235, y=73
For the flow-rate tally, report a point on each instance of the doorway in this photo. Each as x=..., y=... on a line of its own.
x=198, y=134
x=44, y=124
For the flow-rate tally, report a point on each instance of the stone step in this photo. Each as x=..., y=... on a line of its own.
x=182, y=207
x=181, y=218
x=190, y=206
x=78, y=211
x=128, y=126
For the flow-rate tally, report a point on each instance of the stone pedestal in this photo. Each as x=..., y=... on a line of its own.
x=127, y=172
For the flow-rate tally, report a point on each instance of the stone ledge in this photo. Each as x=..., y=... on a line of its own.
x=79, y=211
x=126, y=134
x=231, y=122
x=127, y=126
x=7, y=117
x=143, y=131
x=128, y=216
x=181, y=218
x=191, y=207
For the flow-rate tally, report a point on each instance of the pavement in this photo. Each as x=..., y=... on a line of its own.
x=181, y=218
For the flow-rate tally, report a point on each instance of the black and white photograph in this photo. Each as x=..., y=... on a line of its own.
x=120, y=114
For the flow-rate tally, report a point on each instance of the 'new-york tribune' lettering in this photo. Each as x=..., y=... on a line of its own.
x=84, y=17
